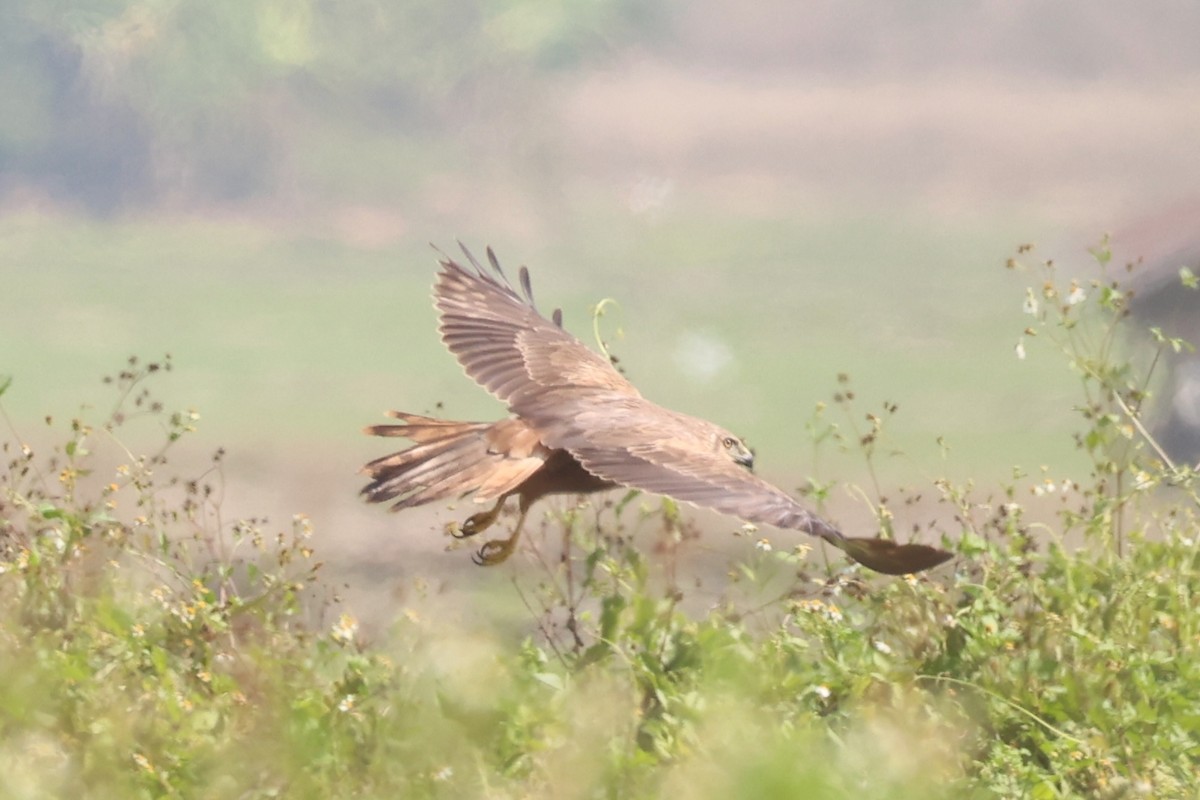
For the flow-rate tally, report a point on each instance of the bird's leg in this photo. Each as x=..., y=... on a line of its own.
x=477, y=523
x=497, y=551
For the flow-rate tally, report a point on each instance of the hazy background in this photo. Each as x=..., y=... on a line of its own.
x=774, y=193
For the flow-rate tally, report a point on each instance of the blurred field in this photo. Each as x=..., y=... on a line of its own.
x=765, y=220
x=284, y=342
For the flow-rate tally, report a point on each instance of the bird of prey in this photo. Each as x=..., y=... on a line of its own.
x=576, y=426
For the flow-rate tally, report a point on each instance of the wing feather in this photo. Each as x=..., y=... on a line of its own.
x=743, y=495
x=505, y=345
x=636, y=443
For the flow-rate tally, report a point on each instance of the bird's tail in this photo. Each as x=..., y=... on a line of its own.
x=448, y=459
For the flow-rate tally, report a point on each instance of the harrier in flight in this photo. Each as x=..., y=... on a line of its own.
x=577, y=426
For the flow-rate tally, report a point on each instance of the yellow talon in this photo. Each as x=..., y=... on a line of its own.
x=477, y=523
x=494, y=552
x=497, y=551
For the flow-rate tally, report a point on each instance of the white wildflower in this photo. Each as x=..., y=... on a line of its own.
x=1077, y=295
x=344, y=629
x=1030, y=306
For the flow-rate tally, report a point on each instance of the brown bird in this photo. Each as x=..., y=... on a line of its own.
x=577, y=426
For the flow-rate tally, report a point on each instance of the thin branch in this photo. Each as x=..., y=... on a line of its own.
x=1001, y=698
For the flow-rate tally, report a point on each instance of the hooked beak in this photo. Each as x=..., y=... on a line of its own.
x=745, y=458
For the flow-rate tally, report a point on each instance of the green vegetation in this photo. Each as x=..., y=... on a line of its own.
x=151, y=648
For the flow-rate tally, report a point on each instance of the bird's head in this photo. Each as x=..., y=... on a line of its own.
x=736, y=449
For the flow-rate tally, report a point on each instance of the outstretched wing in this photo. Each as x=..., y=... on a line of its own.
x=636, y=443
x=648, y=447
x=571, y=395
x=577, y=401
x=506, y=346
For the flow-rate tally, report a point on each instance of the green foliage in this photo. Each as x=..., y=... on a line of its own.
x=150, y=648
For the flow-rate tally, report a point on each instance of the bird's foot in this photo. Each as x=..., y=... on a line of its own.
x=477, y=523
x=494, y=552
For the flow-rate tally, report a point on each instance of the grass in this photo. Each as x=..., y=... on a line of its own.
x=151, y=647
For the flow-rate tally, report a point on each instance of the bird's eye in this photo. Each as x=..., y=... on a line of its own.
x=728, y=442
